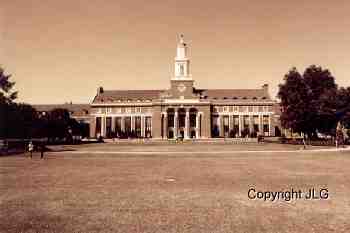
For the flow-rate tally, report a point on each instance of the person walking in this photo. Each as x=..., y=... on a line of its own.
x=42, y=150
x=30, y=149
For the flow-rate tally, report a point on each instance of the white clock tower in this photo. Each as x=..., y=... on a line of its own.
x=182, y=62
x=182, y=83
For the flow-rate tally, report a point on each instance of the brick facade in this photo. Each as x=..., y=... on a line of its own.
x=182, y=110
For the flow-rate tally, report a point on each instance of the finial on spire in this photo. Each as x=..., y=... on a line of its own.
x=182, y=38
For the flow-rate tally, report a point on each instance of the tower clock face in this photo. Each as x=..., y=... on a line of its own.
x=181, y=87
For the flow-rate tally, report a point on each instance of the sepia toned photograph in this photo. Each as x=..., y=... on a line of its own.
x=128, y=116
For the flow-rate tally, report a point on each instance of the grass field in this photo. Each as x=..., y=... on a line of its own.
x=173, y=188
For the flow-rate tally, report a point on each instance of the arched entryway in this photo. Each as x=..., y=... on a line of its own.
x=170, y=124
x=182, y=123
x=193, y=123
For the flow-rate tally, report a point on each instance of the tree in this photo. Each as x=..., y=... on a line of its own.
x=6, y=103
x=17, y=120
x=343, y=106
x=322, y=94
x=294, y=102
x=309, y=101
x=6, y=95
x=58, y=123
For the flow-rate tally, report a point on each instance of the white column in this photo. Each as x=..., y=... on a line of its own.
x=103, y=126
x=132, y=121
x=218, y=122
x=197, y=125
x=151, y=127
x=142, y=126
x=187, y=119
x=269, y=125
x=113, y=123
x=229, y=124
x=251, y=124
x=261, y=129
x=123, y=123
x=165, y=125
x=175, y=124
x=240, y=125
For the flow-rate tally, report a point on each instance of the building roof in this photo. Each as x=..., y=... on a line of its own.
x=124, y=95
x=74, y=109
x=235, y=94
x=107, y=96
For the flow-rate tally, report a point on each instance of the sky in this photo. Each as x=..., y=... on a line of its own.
x=59, y=51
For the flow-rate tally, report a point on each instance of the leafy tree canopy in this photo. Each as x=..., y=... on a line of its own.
x=309, y=101
x=6, y=93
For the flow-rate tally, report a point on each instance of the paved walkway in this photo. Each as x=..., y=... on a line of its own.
x=208, y=152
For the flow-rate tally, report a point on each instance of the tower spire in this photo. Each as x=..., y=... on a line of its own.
x=182, y=63
x=182, y=39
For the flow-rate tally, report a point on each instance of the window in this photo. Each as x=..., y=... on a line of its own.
x=215, y=131
x=235, y=108
x=266, y=125
x=128, y=110
x=98, y=127
x=108, y=110
x=148, y=127
x=226, y=109
x=193, y=120
x=127, y=122
x=226, y=126
x=138, y=126
x=256, y=123
x=118, y=125
x=108, y=127
x=170, y=120
x=246, y=121
x=138, y=109
x=182, y=70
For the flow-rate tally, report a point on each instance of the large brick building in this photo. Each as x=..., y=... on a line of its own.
x=183, y=110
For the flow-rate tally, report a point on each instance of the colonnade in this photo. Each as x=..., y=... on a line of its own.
x=178, y=124
x=127, y=123
x=232, y=123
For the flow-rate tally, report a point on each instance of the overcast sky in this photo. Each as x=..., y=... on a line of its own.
x=62, y=50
